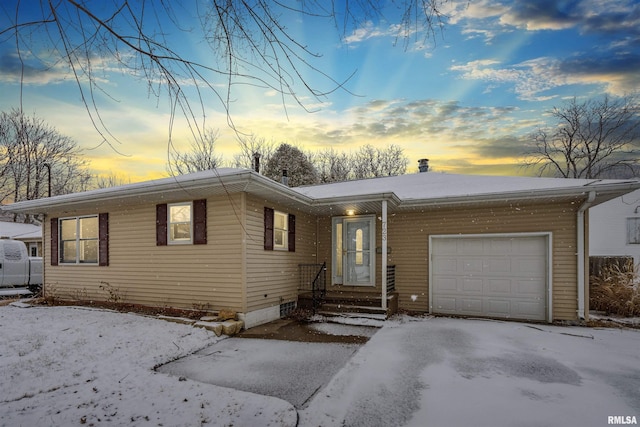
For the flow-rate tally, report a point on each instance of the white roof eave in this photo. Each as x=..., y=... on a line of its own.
x=201, y=184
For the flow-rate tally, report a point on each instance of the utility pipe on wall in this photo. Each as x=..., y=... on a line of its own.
x=582, y=252
x=384, y=255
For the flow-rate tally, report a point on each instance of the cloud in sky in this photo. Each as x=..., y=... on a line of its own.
x=492, y=17
x=14, y=69
x=532, y=80
x=467, y=103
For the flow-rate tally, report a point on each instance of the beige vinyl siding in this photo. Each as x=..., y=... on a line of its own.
x=408, y=236
x=408, y=239
x=183, y=276
x=272, y=276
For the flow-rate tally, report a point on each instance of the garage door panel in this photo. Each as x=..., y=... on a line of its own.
x=448, y=247
x=492, y=276
x=529, y=287
x=531, y=246
x=469, y=306
x=497, y=287
x=499, y=247
x=471, y=265
x=445, y=304
x=469, y=246
x=472, y=286
x=497, y=266
x=497, y=307
x=446, y=284
x=527, y=309
x=535, y=267
x=446, y=265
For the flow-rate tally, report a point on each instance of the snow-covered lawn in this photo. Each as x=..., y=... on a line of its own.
x=65, y=366
x=72, y=366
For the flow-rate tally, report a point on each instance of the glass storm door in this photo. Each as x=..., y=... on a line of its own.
x=354, y=251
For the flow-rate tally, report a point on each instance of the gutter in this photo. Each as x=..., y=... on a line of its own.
x=581, y=253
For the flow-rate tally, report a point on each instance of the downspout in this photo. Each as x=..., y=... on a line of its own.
x=383, y=267
x=581, y=252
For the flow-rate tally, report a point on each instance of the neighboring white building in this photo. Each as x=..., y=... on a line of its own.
x=30, y=234
x=614, y=227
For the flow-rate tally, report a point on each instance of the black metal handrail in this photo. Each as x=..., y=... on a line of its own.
x=391, y=279
x=313, y=278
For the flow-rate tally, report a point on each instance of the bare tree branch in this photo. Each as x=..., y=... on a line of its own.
x=27, y=146
x=250, y=44
x=592, y=139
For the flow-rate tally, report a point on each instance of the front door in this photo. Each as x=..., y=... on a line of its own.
x=354, y=251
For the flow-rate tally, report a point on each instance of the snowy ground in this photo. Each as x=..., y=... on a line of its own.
x=71, y=366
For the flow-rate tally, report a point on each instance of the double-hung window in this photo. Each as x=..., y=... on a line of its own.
x=280, y=230
x=180, y=223
x=79, y=240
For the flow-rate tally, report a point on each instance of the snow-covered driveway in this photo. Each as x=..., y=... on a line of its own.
x=457, y=372
x=71, y=366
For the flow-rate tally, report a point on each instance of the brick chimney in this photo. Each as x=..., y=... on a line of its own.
x=423, y=165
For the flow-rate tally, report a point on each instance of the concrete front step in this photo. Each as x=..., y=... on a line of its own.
x=355, y=303
x=353, y=315
x=351, y=298
x=350, y=308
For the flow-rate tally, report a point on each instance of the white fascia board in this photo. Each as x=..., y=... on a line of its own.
x=128, y=191
x=613, y=189
x=364, y=198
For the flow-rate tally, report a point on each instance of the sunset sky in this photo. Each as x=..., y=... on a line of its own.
x=466, y=97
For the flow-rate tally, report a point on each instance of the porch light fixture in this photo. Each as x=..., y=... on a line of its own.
x=351, y=212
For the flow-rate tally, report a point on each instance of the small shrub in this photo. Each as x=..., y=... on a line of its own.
x=81, y=294
x=50, y=294
x=616, y=291
x=113, y=293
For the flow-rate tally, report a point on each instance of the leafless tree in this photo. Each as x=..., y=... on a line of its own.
x=32, y=154
x=371, y=162
x=202, y=155
x=249, y=147
x=249, y=41
x=112, y=180
x=300, y=171
x=332, y=166
x=592, y=139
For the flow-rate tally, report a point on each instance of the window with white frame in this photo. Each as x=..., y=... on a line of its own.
x=633, y=231
x=280, y=230
x=180, y=223
x=79, y=240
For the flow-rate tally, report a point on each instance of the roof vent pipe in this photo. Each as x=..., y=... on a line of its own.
x=285, y=177
x=423, y=165
x=256, y=162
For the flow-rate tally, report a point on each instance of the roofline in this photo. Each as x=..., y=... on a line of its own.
x=615, y=188
x=600, y=189
x=147, y=188
x=251, y=178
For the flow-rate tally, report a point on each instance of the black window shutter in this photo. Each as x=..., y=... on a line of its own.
x=200, y=222
x=103, y=239
x=161, y=225
x=54, y=241
x=292, y=233
x=268, y=229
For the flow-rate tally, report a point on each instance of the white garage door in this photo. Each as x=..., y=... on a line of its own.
x=497, y=276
